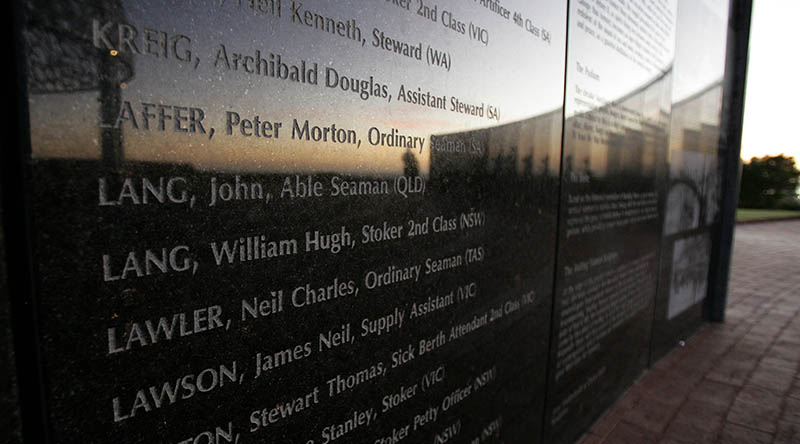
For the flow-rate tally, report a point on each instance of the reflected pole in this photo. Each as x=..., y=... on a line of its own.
x=730, y=143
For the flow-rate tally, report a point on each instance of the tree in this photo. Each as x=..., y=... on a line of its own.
x=768, y=180
x=410, y=164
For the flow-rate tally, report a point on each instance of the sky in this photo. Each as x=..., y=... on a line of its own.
x=772, y=93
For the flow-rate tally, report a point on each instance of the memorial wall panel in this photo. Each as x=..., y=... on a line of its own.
x=265, y=221
x=247, y=221
x=617, y=113
x=10, y=427
x=695, y=172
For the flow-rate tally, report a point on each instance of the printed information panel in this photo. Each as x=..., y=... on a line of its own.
x=266, y=221
x=617, y=109
x=9, y=400
x=692, y=206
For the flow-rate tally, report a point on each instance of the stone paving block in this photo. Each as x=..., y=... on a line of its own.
x=707, y=356
x=691, y=372
x=718, y=344
x=671, y=440
x=788, y=433
x=735, y=434
x=687, y=433
x=795, y=391
x=668, y=361
x=786, y=349
x=755, y=394
x=766, y=330
x=776, y=319
x=590, y=439
x=731, y=371
x=720, y=330
x=791, y=410
x=751, y=347
x=625, y=433
x=738, y=312
x=606, y=423
x=735, y=334
x=704, y=415
x=651, y=415
x=791, y=334
x=697, y=421
x=668, y=388
x=761, y=416
x=783, y=313
x=777, y=361
x=629, y=400
x=788, y=310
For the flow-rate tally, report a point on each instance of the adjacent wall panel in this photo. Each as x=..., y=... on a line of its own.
x=619, y=78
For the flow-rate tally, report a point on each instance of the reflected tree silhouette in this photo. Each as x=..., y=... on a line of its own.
x=62, y=58
x=411, y=166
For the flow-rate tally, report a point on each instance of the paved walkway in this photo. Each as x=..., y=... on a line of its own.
x=737, y=382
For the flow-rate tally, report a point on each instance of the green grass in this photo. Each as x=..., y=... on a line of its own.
x=750, y=214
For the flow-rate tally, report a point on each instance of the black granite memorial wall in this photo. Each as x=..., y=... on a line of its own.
x=617, y=113
x=10, y=427
x=694, y=190
x=272, y=221
x=295, y=222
